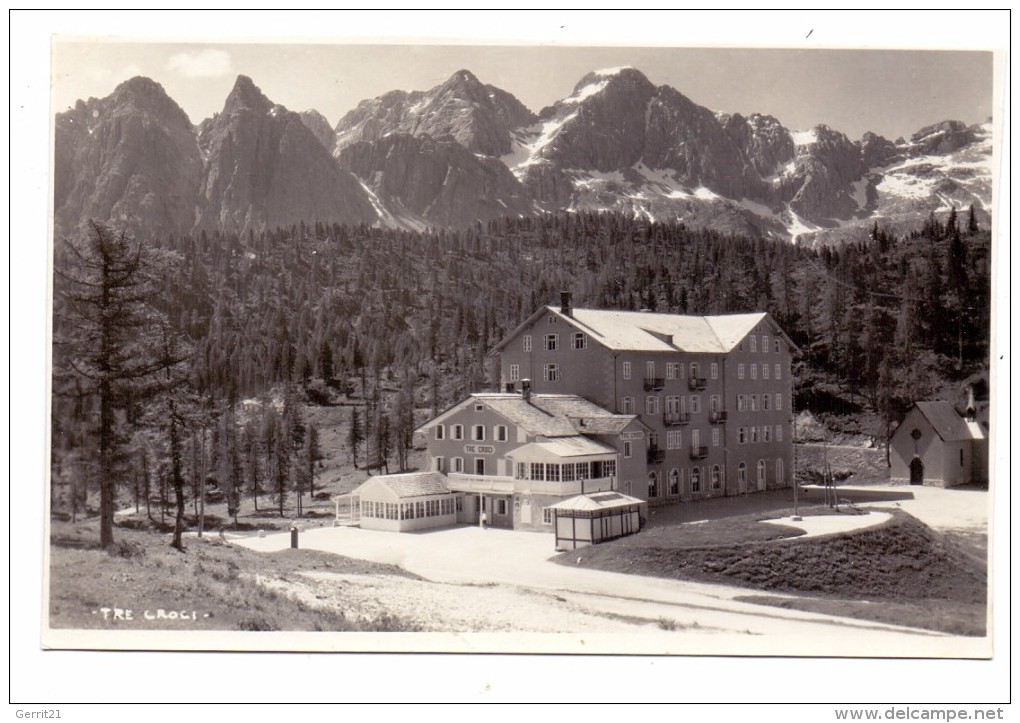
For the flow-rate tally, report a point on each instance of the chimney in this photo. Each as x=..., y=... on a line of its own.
x=526, y=389
x=971, y=408
x=566, y=307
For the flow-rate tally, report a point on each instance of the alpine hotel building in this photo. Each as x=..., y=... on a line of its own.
x=657, y=408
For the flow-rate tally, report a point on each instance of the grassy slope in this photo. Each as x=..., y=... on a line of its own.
x=216, y=580
x=921, y=577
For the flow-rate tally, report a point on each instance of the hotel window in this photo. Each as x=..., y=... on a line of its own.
x=754, y=402
x=551, y=341
x=741, y=403
x=567, y=472
x=766, y=433
x=673, y=439
x=754, y=435
x=580, y=340
x=500, y=507
x=527, y=342
x=694, y=370
x=458, y=464
x=715, y=370
x=537, y=471
x=716, y=477
x=754, y=371
x=715, y=403
x=764, y=371
x=649, y=370
x=651, y=405
x=715, y=436
x=551, y=373
x=478, y=432
x=754, y=343
x=457, y=431
x=522, y=470
x=779, y=371
x=695, y=404
x=547, y=515
x=440, y=431
x=552, y=473
x=779, y=432
x=740, y=371
x=626, y=370
x=742, y=475
x=479, y=465
x=501, y=433
x=742, y=435
x=479, y=407
x=779, y=402
x=780, y=476
x=761, y=473
x=609, y=468
x=627, y=405
x=695, y=479
x=766, y=402
x=582, y=470
x=674, y=481
x=765, y=343
x=777, y=346
x=437, y=464
x=626, y=450
x=515, y=372
x=653, y=485
x=551, y=319
x=673, y=370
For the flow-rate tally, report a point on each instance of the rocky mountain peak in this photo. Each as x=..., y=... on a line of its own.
x=245, y=94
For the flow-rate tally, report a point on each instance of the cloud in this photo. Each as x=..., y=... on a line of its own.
x=207, y=63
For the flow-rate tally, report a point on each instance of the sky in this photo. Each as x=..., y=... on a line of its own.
x=890, y=92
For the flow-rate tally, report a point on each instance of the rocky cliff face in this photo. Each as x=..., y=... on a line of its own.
x=421, y=181
x=320, y=128
x=265, y=168
x=129, y=159
x=479, y=117
x=465, y=151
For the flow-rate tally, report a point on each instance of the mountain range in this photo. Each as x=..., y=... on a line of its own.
x=466, y=152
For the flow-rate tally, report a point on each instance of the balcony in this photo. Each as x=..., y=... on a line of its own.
x=699, y=452
x=654, y=384
x=717, y=417
x=656, y=455
x=696, y=384
x=676, y=419
x=479, y=483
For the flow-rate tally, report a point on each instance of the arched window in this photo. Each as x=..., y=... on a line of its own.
x=761, y=474
x=674, y=482
x=653, y=485
x=780, y=477
x=716, y=477
x=742, y=476
x=695, y=479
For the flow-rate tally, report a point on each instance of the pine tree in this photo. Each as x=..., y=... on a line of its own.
x=355, y=436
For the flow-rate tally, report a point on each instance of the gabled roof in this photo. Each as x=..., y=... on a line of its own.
x=646, y=331
x=414, y=484
x=544, y=415
x=946, y=422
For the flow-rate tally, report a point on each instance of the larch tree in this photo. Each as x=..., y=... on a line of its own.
x=106, y=284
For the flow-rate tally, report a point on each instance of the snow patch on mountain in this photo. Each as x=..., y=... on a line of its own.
x=613, y=71
x=535, y=138
x=586, y=92
x=804, y=138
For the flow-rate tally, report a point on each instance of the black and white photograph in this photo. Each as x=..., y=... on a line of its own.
x=399, y=345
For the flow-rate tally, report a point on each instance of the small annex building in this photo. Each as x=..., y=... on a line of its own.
x=590, y=519
x=937, y=447
x=404, y=502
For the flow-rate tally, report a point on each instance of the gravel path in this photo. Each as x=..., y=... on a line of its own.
x=503, y=581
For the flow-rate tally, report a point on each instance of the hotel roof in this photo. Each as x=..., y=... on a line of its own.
x=647, y=331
